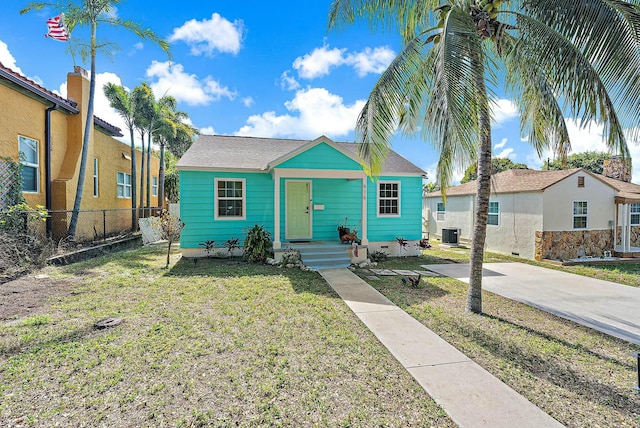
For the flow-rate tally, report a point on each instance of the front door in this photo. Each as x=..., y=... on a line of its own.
x=298, y=221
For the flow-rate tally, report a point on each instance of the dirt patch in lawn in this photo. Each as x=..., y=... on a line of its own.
x=31, y=294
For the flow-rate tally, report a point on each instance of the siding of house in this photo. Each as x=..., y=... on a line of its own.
x=559, y=198
x=321, y=156
x=197, y=207
x=458, y=214
x=409, y=224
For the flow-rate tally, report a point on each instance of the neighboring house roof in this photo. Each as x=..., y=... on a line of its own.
x=531, y=180
x=31, y=88
x=219, y=152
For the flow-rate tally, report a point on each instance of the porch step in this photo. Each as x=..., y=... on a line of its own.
x=324, y=256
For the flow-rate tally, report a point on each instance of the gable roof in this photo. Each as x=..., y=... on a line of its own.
x=531, y=180
x=27, y=86
x=220, y=152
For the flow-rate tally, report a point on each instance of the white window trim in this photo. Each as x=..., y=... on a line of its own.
x=216, y=199
x=154, y=186
x=573, y=216
x=632, y=213
x=399, y=183
x=124, y=185
x=494, y=214
x=96, y=187
x=443, y=212
x=32, y=165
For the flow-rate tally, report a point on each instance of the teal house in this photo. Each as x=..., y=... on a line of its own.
x=301, y=191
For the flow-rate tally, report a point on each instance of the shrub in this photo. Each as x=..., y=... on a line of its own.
x=257, y=244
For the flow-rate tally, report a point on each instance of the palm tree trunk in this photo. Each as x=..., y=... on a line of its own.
x=134, y=177
x=149, y=173
x=73, y=223
x=161, y=178
x=142, y=161
x=474, y=295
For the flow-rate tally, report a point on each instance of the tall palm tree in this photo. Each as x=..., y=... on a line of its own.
x=124, y=103
x=557, y=57
x=139, y=95
x=91, y=13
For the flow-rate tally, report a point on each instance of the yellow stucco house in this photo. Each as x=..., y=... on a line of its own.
x=48, y=130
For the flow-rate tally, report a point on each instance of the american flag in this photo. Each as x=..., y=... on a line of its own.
x=57, y=29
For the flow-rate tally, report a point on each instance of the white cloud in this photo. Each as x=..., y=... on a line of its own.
x=7, y=59
x=503, y=111
x=501, y=144
x=313, y=112
x=321, y=60
x=247, y=101
x=505, y=154
x=171, y=79
x=209, y=35
x=288, y=82
x=207, y=130
x=371, y=60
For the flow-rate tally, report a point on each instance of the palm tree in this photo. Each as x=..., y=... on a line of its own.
x=557, y=57
x=91, y=13
x=124, y=103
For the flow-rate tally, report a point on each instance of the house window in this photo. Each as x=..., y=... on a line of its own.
x=389, y=198
x=154, y=186
x=580, y=215
x=230, y=199
x=494, y=214
x=95, y=177
x=30, y=160
x=440, y=212
x=635, y=214
x=124, y=185
x=580, y=181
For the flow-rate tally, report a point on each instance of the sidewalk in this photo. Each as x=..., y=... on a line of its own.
x=471, y=396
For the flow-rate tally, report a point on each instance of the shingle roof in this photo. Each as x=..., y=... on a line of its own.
x=70, y=106
x=252, y=153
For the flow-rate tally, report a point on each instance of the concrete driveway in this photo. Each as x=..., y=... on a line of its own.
x=605, y=306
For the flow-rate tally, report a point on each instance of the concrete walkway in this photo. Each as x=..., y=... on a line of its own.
x=470, y=395
x=605, y=306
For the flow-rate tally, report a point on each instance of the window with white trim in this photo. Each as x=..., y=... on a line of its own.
x=230, y=198
x=154, y=186
x=124, y=185
x=389, y=198
x=580, y=215
x=440, y=211
x=95, y=177
x=635, y=214
x=494, y=214
x=30, y=159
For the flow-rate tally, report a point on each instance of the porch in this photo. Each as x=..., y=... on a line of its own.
x=320, y=255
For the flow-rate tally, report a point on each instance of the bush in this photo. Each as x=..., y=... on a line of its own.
x=257, y=244
x=378, y=256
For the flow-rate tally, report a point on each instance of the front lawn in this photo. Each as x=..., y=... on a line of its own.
x=215, y=344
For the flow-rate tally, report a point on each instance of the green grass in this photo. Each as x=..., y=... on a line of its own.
x=213, y=344
x=579, y=376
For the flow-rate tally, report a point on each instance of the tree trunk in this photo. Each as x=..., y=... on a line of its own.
x=142, y=163
x=474, y=295
x=134, y=177
x=73, y=223
x=149, y=173
x=161, y=178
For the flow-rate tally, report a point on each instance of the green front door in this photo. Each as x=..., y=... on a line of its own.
x=298, y=210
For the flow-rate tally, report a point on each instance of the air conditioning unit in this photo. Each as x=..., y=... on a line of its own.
x=450, y=235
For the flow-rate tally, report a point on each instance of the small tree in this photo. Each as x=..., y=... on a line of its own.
x=170, y=229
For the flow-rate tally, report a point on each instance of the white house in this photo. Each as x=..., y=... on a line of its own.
x=546, y=214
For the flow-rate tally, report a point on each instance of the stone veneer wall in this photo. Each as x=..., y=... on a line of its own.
x=635, y=236
x=567, y=245
x=617, y=168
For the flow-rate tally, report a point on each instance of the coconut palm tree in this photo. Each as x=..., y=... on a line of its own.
x=557, y=58
x=124, y=103
x=91, y=13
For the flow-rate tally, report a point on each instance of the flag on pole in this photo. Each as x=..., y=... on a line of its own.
x=57, y=30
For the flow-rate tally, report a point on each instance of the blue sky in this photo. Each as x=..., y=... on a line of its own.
x=267, y=69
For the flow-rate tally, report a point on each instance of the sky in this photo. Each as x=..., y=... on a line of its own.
x=264, y=69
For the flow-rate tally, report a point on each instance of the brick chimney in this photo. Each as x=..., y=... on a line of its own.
x=618, y=168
